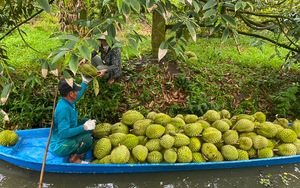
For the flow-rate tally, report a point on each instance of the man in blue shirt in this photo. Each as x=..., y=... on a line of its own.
x=71, y=137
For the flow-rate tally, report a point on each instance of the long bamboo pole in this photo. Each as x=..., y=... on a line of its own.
x=48, y=142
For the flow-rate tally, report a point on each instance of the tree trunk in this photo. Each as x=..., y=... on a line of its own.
x=158, y=32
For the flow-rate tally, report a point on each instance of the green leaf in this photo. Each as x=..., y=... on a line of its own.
x=209, y=13
x=68, y=78
x=68, y=37
x=1, y=69
x=225, y=35
x=238, y=5
x=228, y=19
x=45, y=67
x=111, y=29
x=126, y=10
x=45, y=5
x=119, y=5
x=5, y=93
x=135, y=5
x=84, y=51
x=96, y=86
x=209, y=4
x=2, y=3
x=73, y=64
x=58, y=56
x=191, y=30
x=162, y=51
x=105, y=2
x=196, y=6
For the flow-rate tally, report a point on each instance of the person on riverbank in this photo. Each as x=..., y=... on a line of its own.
x=71, y=137
x=108, y=62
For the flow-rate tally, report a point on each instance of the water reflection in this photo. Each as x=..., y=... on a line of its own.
x=14, y=177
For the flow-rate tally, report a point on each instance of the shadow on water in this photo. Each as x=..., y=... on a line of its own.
x=277, y=176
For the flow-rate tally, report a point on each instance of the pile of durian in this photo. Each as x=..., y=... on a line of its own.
x=216, y=136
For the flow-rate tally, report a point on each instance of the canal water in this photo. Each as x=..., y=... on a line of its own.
x=287, y=176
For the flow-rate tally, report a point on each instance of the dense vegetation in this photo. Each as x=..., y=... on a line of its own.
x=221, y=78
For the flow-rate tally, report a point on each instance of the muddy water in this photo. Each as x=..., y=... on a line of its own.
x=279, y=176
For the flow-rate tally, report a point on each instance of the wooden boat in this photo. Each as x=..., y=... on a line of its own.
x=28, y=153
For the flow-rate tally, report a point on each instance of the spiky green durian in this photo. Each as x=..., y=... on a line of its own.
x=119, y=127
x=286, y=149
x=297, y=144
x=140, y=126
x=155, y=130
x=193, y=129
x=154, y=144
x=162, y=118
x=221, y=125
x=198, y=157
x=260, y=117
x=260, y=142
x=120, y=155
x=178, y=122
x=243, y=155
x=101, y=130
x=151, y=115
x=190, y=118
x=131, y=116
x=244, y=125
x=228, y=121
x=211, y=116
x=102, y=148
x=204, y=123
x=265, y=153
x=169, y=128
x=225, y=114
x=167, y=141
x=181, y=140
x=170, y=156
x=195, y=144
x=179, y=116
x=105, y=160
x=245, y=116
x=130, y=141
x=296, y=127
x=267, y=129
x=116, y=138
x=229, y=152
x=230, y=137
x=252, y=153
x=211, y=135
x=184, y=155
x=154, y=157
x=287, y=136
x=248, y=134
x=209, y=150
x=140, y=153
x=282, y=121
x=143, y=140
x=8, y=138
x=245, y=143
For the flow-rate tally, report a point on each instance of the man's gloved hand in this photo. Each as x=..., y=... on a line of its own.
x=90, y=124
x=85, y=79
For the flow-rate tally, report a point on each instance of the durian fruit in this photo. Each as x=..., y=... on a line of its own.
x=218, y=157
x=179, y=116
x=143, y=140
x=265, y=153
x=184, y=155
x=225, y=114
x=105, y=160
x=195, y=144
x=119, y=127
x=154, y=144
x=267, y=129
x=154, y=157
x=228, y=121
x=279, y=127
x=162, y=118
x=151, y=115
x=245, y=143
x=211, y=135
x=102, y=148
x=209, y=150
x=88, y=70
x=248, y=134
x=170, y=156
x=211, y=116
x=167, y=141
x=193, y=129
x=243, y=155
x=116, y=138
x=131, y=116
x=245, y=116
x=287, y=136
x=260, y=117
x=8, y=138
x=140, y=153
x=181, y=140
x=252, y=153
x=229, y=152
x=101, y=130
x=178, y=122
x=296, y=127
x=132, y=160
x=155, y=130
x=190, y=118
x=286, y=149
x=120, y=155
x=260, y=142
x=297, y=144
x=169, y=128
x=230, y=137
x=282, y=121
x=221, y=125
x=197, y=157
x=204, y=123
x=244, y=125
x=140, y=126
x=130, y=141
